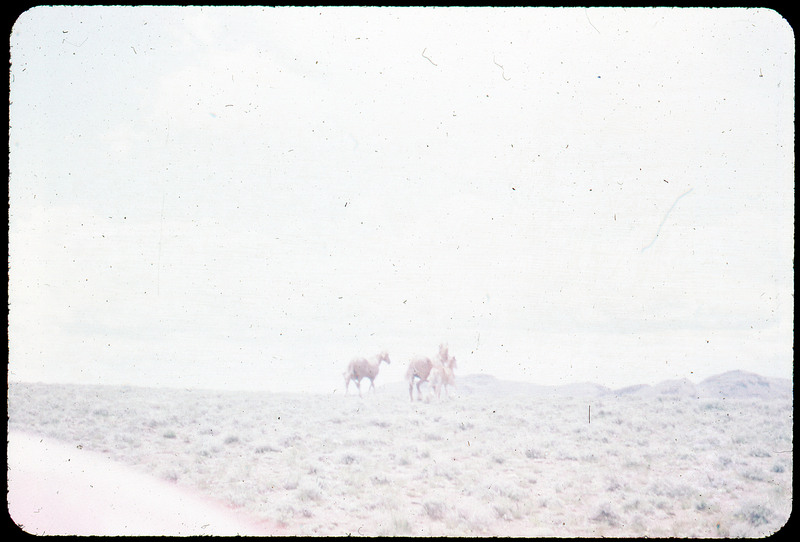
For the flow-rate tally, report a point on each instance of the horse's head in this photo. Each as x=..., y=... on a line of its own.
x=451, y=362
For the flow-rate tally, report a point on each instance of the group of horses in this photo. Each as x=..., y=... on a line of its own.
x=439, y=372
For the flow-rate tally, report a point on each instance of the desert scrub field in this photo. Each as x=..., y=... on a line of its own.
x=469, y=465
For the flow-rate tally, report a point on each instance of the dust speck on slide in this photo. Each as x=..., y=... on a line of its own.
x=52, y=485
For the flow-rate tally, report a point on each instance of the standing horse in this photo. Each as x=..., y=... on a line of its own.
x=421, y=368
x=443, y=375
x=361, y=368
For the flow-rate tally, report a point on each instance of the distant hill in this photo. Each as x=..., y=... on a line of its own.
x=732, y=384
x=638, y=389
x=489, y=385
x=741, y=384
x=483, y=384
x=682, y=387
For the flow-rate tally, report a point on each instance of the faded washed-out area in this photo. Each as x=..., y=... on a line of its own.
x=489, y=460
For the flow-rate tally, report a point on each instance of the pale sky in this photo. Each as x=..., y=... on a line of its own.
x=247, y=198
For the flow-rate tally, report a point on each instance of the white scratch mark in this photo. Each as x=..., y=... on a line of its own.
x=428, y=58
x=586, y=12
x=503, y=70
x=665, y=219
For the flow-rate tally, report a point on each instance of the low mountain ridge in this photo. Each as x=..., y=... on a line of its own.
x=742, y=384
x=732, y=384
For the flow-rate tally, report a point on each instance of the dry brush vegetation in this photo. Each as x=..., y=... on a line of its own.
x=668, y=465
